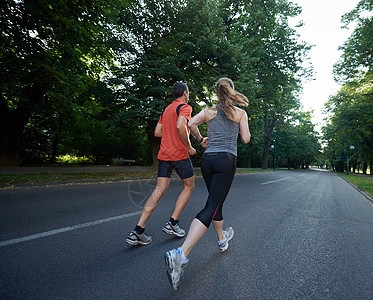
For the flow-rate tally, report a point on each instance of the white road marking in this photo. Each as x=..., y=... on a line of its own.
x=302, y=174
x=61, y=230
x=268, y=182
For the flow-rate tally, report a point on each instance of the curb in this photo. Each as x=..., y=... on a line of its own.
x=92, y=181
x=68, y=183
x=359, y=190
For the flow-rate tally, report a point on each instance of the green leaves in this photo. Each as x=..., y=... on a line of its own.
x=76, y=69
x=357, y=57
x=351, y=109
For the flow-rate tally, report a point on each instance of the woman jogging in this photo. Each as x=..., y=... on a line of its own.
x=218, y=166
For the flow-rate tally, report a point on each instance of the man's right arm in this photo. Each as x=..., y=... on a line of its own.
x=158, y=130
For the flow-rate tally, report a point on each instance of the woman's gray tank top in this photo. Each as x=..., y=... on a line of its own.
x=222, y=134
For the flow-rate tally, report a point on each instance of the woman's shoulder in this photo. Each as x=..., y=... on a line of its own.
x=239, y=110
x=239, y=113
x=211, y=109
x=210, y=112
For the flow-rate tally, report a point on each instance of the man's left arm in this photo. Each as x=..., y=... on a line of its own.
x=183, y=131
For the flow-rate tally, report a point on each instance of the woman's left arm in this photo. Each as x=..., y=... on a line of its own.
x=244, y=128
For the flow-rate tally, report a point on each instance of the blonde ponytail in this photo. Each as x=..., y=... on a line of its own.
x=228, y=96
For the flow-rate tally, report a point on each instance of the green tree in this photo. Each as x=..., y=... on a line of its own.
x=296, y=141
x=199, y=41
x=357, y=51
x=171, y=41
x=93, y=77
x=350, y=110
x=48, y=53
x=350, y=123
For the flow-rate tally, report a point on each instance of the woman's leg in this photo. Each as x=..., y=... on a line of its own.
x=220, y=183
x=218, y=173
x=218, y=218
x=207, y=171
x=218, y=226
x=196, y=231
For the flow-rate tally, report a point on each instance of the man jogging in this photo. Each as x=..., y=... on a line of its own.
x=173, y=154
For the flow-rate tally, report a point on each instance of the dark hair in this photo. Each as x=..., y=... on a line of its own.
x=228, y=96
x=178, y=88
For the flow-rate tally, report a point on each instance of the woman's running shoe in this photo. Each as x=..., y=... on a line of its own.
x=175, y=266
x=228, y=235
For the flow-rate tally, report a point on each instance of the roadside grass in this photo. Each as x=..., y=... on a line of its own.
x=7, y=180
x=19, y=179
x=363, y=183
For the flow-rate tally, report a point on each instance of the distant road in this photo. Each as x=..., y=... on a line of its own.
x=298, y=235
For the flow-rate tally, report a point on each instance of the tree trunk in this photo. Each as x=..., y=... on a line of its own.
x=153, y=141
x=267, y=141
x=10, y=139
x=365, y=167
x=339, y=167
x=52, y=158
x=12, y=124
x=268, y=128
x=155, y=150
x=10, y=149
x=249, y=157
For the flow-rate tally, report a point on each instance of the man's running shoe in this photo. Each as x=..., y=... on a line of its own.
x=138, y=239
x=228, y=235
x=175, y=266
x=173, y=229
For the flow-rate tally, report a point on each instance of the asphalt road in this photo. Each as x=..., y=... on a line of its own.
x=298, y=235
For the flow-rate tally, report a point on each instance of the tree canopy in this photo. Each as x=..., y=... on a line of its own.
x=92, y=77
x=350, y=121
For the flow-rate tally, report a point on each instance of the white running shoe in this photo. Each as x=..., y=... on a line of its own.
x=175, y=266
x=228, y=235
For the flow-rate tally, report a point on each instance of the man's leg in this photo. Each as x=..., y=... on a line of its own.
x=184, y=197
x=172, y=227
x=153, y=200
x=138, y=235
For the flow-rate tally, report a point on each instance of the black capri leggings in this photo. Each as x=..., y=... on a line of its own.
x=218, y=170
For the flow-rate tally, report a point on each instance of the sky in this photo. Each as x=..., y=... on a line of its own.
x=322, y=28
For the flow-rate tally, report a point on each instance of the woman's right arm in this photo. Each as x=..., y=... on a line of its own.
x=244, y=128
x=193, y=126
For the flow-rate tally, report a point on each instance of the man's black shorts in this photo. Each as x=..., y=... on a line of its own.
x=183, y=168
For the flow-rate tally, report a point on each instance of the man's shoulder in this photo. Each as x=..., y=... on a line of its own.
x=179, y=105
x=184, y=106
x=184, y=110
x=174, y=103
